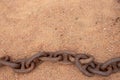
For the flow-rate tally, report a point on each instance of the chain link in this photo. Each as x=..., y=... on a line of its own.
x=5, y=58
x=23, y=68
x=84, y=62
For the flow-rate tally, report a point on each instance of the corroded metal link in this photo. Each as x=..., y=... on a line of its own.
x=9, y=63
x=83, y=66
x=67, y=57
x=50, y=56
x=95, y=68
x=84, y=62
x=113, y=63
x=5, y=58
x=35, y=58
x=23, y=68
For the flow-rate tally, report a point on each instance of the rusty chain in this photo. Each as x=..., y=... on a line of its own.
x=84, y=62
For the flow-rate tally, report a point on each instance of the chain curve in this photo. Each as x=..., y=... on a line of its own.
x=84, y=62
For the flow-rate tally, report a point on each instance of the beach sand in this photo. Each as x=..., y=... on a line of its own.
x=82, y=26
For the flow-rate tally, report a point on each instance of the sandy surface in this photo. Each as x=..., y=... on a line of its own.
x=84, y=26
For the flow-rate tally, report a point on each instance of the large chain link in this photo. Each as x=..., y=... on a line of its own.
x=84, y=62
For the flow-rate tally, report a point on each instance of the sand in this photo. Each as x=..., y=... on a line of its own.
x=82, y=26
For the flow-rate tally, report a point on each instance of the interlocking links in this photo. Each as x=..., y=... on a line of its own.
x=6, y=58
x=5, y=61
x=113, y=63
x=66, y=57
x=95, y=68
x=23, y=68
x=84, y=62
x=50, y=56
